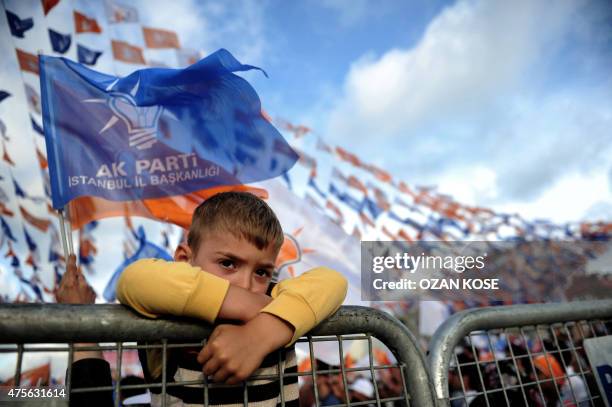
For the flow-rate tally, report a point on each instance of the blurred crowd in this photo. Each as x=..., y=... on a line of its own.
x=360, y=387
x=527, y=368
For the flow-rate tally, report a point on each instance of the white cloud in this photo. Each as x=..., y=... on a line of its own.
x=468, y=54
x=573, y=197
x=476, y=104
x=570, y=198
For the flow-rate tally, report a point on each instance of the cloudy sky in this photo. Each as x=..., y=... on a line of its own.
x=500, y=104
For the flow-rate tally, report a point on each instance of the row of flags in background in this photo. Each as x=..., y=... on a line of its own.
x=371, y=204
x=116, y=13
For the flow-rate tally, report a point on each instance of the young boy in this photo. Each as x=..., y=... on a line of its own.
x=224, y=272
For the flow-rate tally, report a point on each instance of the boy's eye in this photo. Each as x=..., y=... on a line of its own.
x=264, y=273
x=227, y=263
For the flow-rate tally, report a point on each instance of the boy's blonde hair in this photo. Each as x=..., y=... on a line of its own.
x=240, y=213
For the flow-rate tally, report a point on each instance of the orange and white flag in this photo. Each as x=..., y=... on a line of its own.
x=157, y=38
x=122, y=51
x=84, y=24
x=27, y=62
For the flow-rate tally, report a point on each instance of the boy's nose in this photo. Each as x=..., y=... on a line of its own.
x=243, y=280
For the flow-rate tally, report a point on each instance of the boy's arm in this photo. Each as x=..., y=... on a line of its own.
x=300, y=303
x=307, y=300
x=155, y=287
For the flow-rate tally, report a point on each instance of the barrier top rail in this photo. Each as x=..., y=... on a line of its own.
x=451, y=332
x=61, y=323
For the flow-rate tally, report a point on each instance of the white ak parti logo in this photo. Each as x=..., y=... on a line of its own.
x=141, y=121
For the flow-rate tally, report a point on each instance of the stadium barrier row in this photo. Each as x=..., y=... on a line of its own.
x=31, y=328
x=519, y=355
x=509, y=355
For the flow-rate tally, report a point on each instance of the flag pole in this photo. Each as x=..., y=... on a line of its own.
x=63, y=233
x=69, y=230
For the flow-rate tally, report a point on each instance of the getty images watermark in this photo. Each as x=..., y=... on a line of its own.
x=429, y=264
x=480, y=271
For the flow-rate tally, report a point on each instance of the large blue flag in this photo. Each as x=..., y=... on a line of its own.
x=157, y=132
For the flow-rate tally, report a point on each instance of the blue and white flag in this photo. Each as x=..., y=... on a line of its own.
x=32, y=246
x=146, y=250
x=87, y=56
x=214, y=133
x=3, y=95
x=18, y=190
x=37, y=127
x=6, y=230
x=59, y=42
x=17, y=25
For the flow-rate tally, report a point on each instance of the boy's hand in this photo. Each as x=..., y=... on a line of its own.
x=234, y=352
x=74, y=289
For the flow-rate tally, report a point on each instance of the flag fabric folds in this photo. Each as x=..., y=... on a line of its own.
x=84, y=24
x=18, y=26
x=59, y=42
x=87, y=56
x=157, y=38
x=213, y=121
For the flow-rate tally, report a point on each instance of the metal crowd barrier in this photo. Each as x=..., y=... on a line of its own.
x=52, y=324
x=518, y=355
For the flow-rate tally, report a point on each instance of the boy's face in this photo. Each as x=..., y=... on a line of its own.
x=232, y=258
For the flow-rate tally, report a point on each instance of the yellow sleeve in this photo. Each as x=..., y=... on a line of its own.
x=308, y=299
x=154, y=287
